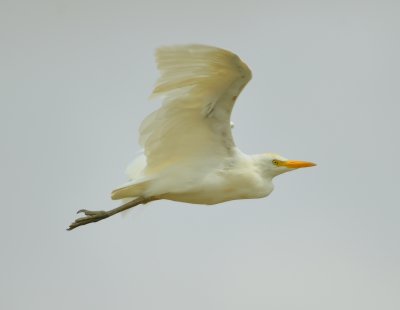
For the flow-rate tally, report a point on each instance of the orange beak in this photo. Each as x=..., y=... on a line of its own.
x=294, y=164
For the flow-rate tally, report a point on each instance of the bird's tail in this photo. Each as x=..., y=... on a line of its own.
x=138, y=181
x=130, y=190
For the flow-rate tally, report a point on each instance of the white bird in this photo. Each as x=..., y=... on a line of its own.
x=189, y=153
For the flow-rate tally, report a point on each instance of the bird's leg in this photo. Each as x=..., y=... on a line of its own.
x=95, y=216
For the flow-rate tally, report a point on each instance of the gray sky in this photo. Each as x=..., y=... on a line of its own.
x=75, y=78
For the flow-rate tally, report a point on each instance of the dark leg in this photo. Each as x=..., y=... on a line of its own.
x=95, y=216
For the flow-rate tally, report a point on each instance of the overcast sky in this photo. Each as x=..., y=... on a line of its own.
x=75, y=78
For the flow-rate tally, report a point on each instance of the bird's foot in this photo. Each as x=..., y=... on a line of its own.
x=91, y=217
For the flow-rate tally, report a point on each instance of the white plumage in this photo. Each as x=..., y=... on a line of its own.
x=190, y=134
x=189, y=153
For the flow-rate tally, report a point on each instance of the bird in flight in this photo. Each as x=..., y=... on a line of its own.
x=189, y=152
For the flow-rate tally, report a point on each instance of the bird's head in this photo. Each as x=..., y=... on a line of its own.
x=274, y=164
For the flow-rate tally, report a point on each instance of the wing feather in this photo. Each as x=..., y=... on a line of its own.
x=199, y=85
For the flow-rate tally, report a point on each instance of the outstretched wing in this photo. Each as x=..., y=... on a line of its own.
x=199, y=85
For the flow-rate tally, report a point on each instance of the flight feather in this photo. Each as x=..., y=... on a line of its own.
x=199, y=85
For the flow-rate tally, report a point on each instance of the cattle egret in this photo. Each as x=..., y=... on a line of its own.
x=189, y=153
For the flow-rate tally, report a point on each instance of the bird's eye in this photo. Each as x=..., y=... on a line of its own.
x=275, y=162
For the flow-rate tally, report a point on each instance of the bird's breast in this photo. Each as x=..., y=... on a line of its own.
x=224, y=187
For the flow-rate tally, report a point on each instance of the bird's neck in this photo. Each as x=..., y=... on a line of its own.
x=261, y=163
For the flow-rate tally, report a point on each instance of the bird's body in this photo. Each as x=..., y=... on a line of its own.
x=189, y=153
x=236, y=178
